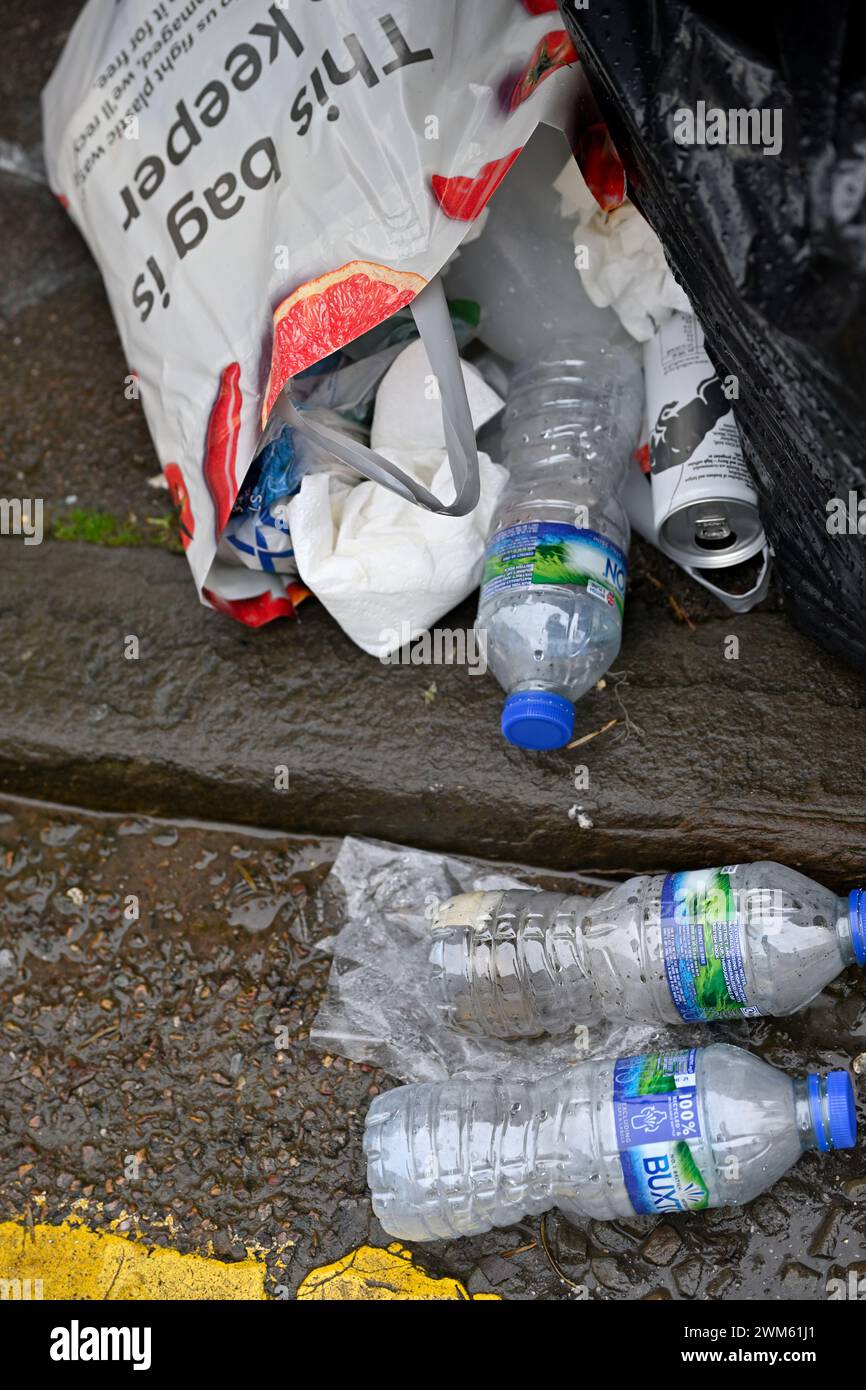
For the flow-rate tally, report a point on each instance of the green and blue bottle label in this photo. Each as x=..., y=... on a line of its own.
x=552, y=552
x=656, y=1116
x=702, y=943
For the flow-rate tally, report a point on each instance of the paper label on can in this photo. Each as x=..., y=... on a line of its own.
x=702, y=943
x=552, y=552
x=695, y=449
x=656, y=1118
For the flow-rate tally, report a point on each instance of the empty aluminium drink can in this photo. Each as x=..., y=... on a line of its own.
x=704, y=502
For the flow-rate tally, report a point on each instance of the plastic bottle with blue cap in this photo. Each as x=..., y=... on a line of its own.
x=699, y=946
x=652, y=1134
x=556, y=564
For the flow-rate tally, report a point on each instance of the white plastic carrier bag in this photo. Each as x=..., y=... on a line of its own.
x=261, y=184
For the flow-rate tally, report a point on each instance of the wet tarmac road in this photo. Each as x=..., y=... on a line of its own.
x=157, y=987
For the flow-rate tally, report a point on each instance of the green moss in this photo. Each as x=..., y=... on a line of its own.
x=102, y=528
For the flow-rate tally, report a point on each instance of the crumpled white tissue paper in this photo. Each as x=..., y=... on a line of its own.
x=626, y=269
x=385, y=569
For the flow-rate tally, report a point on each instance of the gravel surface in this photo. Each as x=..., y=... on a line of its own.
x=157, y=1073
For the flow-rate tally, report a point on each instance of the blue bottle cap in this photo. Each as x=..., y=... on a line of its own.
x=834, y=1114
x=537, y=719
x=857, y=917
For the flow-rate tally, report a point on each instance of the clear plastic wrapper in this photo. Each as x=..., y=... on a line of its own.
x=379, y=1007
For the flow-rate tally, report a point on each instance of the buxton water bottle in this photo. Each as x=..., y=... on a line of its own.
x=658, y=1133
x=734, y=942
x=554, y=580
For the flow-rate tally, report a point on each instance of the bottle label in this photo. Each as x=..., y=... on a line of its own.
x=655, y=1106
x=551, y=552
x=703, y=946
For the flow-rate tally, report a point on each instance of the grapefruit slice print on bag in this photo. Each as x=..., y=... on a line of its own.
x=326, y=313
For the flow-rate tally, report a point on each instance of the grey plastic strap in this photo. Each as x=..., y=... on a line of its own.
x=430, y=311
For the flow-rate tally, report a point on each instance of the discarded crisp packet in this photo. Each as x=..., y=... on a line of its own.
x=379, y=1007
x=261, y=540
x=274, y=473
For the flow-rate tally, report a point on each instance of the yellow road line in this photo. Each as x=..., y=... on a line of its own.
x=370, y=1273
x=70, y=1261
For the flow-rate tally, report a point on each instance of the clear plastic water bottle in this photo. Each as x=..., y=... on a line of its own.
x=521, y=269
x=661, y=1132
x=734, y=942
x=556, y=563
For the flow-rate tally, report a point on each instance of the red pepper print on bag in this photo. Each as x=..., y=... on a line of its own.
x=180, y=497
x=464, y=198
x=551, y=53
x=221, y=450
x=262, y=609
x=540, y=6
x=601, y=167
x=642, y=457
